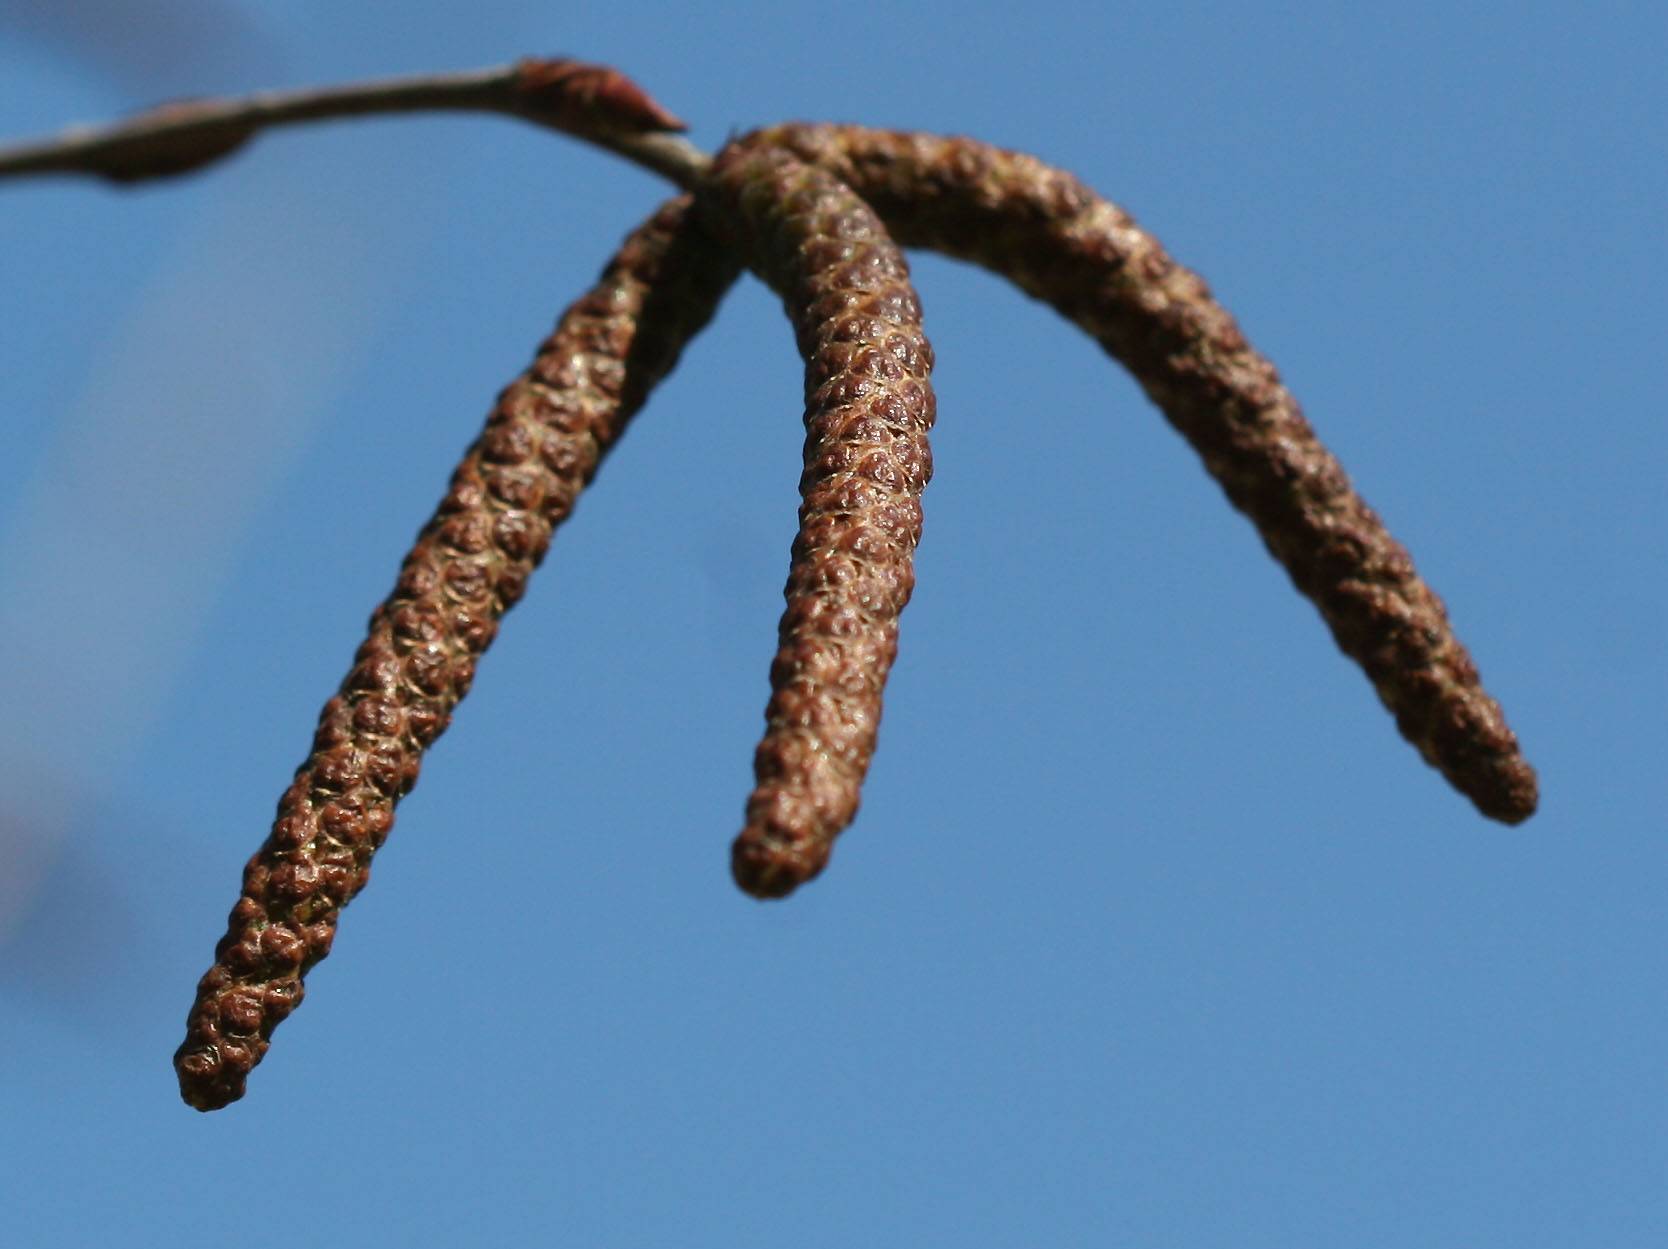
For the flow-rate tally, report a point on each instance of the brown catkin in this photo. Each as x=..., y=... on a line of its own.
x=868, y=407
x=1063, y=244
x=519, y=480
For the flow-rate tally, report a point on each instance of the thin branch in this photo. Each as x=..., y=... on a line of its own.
x=590, y=102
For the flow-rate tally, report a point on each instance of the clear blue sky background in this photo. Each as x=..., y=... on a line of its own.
x=1152, y=932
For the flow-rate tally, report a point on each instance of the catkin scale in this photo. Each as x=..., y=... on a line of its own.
x=470, y=564
x=868, y=407
x=1063, y=244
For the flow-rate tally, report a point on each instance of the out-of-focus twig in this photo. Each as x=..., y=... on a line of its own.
x=594, y=103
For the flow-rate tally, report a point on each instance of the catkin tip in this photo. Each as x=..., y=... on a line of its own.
x=1510, y=794
x=206, y=1082
x=767, y=871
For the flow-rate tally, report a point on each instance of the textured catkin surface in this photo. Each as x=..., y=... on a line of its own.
x=1065, y=245
x=470, y=564
x=868, y=407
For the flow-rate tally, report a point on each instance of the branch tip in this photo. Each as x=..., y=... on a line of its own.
x=565, y=90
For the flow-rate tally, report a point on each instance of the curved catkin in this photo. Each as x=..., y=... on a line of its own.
x=1063, y=244
x=868, y=407
x=471, y=562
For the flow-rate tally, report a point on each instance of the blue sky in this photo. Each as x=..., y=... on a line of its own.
x=1151, y=931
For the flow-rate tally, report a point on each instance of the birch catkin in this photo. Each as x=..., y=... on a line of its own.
x=868, y=407
x=470, y=564
x=1063, y=244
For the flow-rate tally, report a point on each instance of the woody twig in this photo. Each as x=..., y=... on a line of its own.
x=590, y=102
x=470, y=564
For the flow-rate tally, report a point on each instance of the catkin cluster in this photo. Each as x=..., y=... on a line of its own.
x=470, y=564
x=814, y=211
x=868, y=407
x=1061, y=243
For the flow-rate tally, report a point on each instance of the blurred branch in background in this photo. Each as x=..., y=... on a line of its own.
x=144, y=50
x=101, y=611
x=118, y=543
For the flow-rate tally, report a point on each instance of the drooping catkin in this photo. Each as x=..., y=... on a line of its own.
x=1063, y=244
x=471, y=562
x=868, y=407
